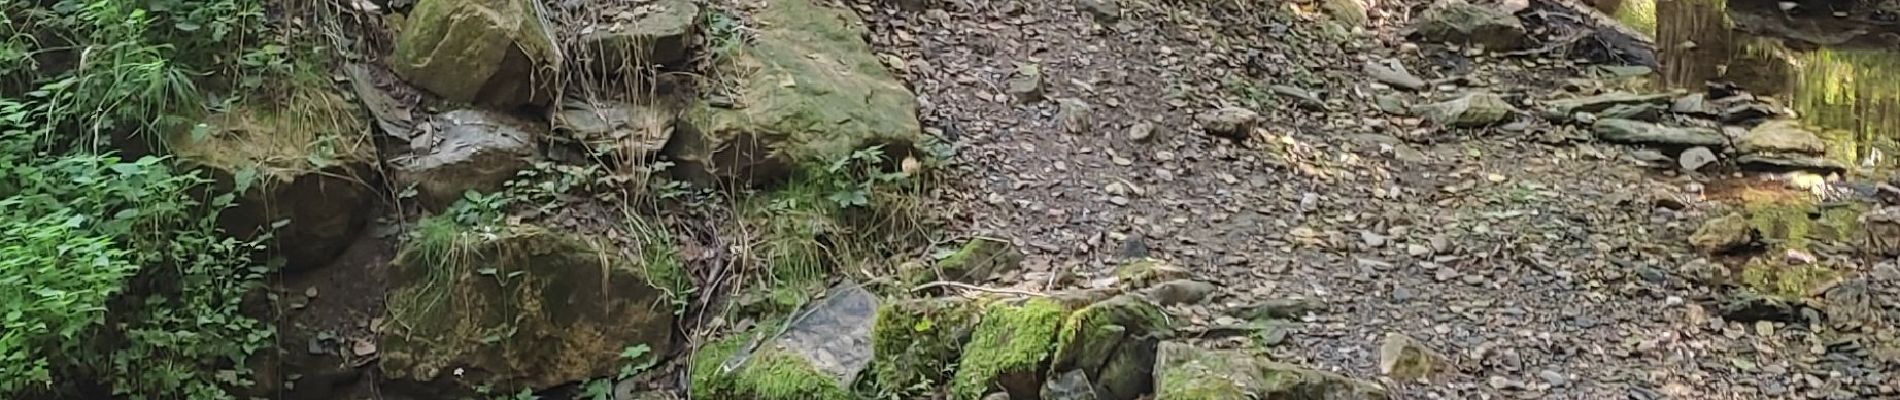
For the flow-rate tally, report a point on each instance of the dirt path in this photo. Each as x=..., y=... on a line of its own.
x=1544, y=269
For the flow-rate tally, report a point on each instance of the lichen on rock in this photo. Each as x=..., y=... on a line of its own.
x=1008, y=349
x=516, y=306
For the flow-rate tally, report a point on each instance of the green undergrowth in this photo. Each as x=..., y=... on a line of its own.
x=114, y=276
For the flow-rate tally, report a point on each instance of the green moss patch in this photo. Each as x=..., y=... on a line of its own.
x=1789, y=281
x=1113, y=342
x=914, y=343
x=977, y=260
x=769, y=374
x=1008, y=349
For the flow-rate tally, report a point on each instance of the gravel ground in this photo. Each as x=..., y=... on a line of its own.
x=1542, y=266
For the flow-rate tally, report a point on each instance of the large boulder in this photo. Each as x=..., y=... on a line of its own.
x=493, y=52
x=1184, y=372
x=1644, y=133
x=808, y=89
x=818, y=357
x=473, y=150
x=1781, y=136
x=304, y=160
x=1458, y=22
x=519, y=307
x=1112, y=343
x=659, y=34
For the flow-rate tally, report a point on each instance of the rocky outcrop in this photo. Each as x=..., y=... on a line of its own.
x=492, y=52
x=1458, y=22
x=1881, y=228
x=513, y=307
x=473, y=150
x=1183, y=372
x=1784, y=162
x=1472, y=110
x=810, y=90
x=264, y=155
x=1644, y=133
x=658, y=36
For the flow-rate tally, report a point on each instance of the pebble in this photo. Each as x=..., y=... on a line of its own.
x=1553, y=378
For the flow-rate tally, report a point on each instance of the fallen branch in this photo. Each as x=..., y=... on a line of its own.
x=966, y=286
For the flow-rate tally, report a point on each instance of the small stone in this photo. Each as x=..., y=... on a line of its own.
x=1230, y=122
x=1722, y=235
x=1502, y=383
x=1025, y=84
x=1301, y=97
x=1404, y=358
x=1391, y=72
x=1141, y=131
x=1075, y=115
x=1417, y=250
x=310, y=292
x=1180, y=291
x=1104, y=11
x=1695, y=158
x=1553, y=378
x=1473, y=110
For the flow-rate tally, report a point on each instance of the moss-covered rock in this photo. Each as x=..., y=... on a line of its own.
x=304, y=159
x=1767, y=275
x=1723, y=234
x=914, y=342
x=808, y=89
x=1183, y=372
x=1113, y=343
x=978, y=260
x=513, y=307
x=1008, y=349
x=494, y=52
x=818, y=357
